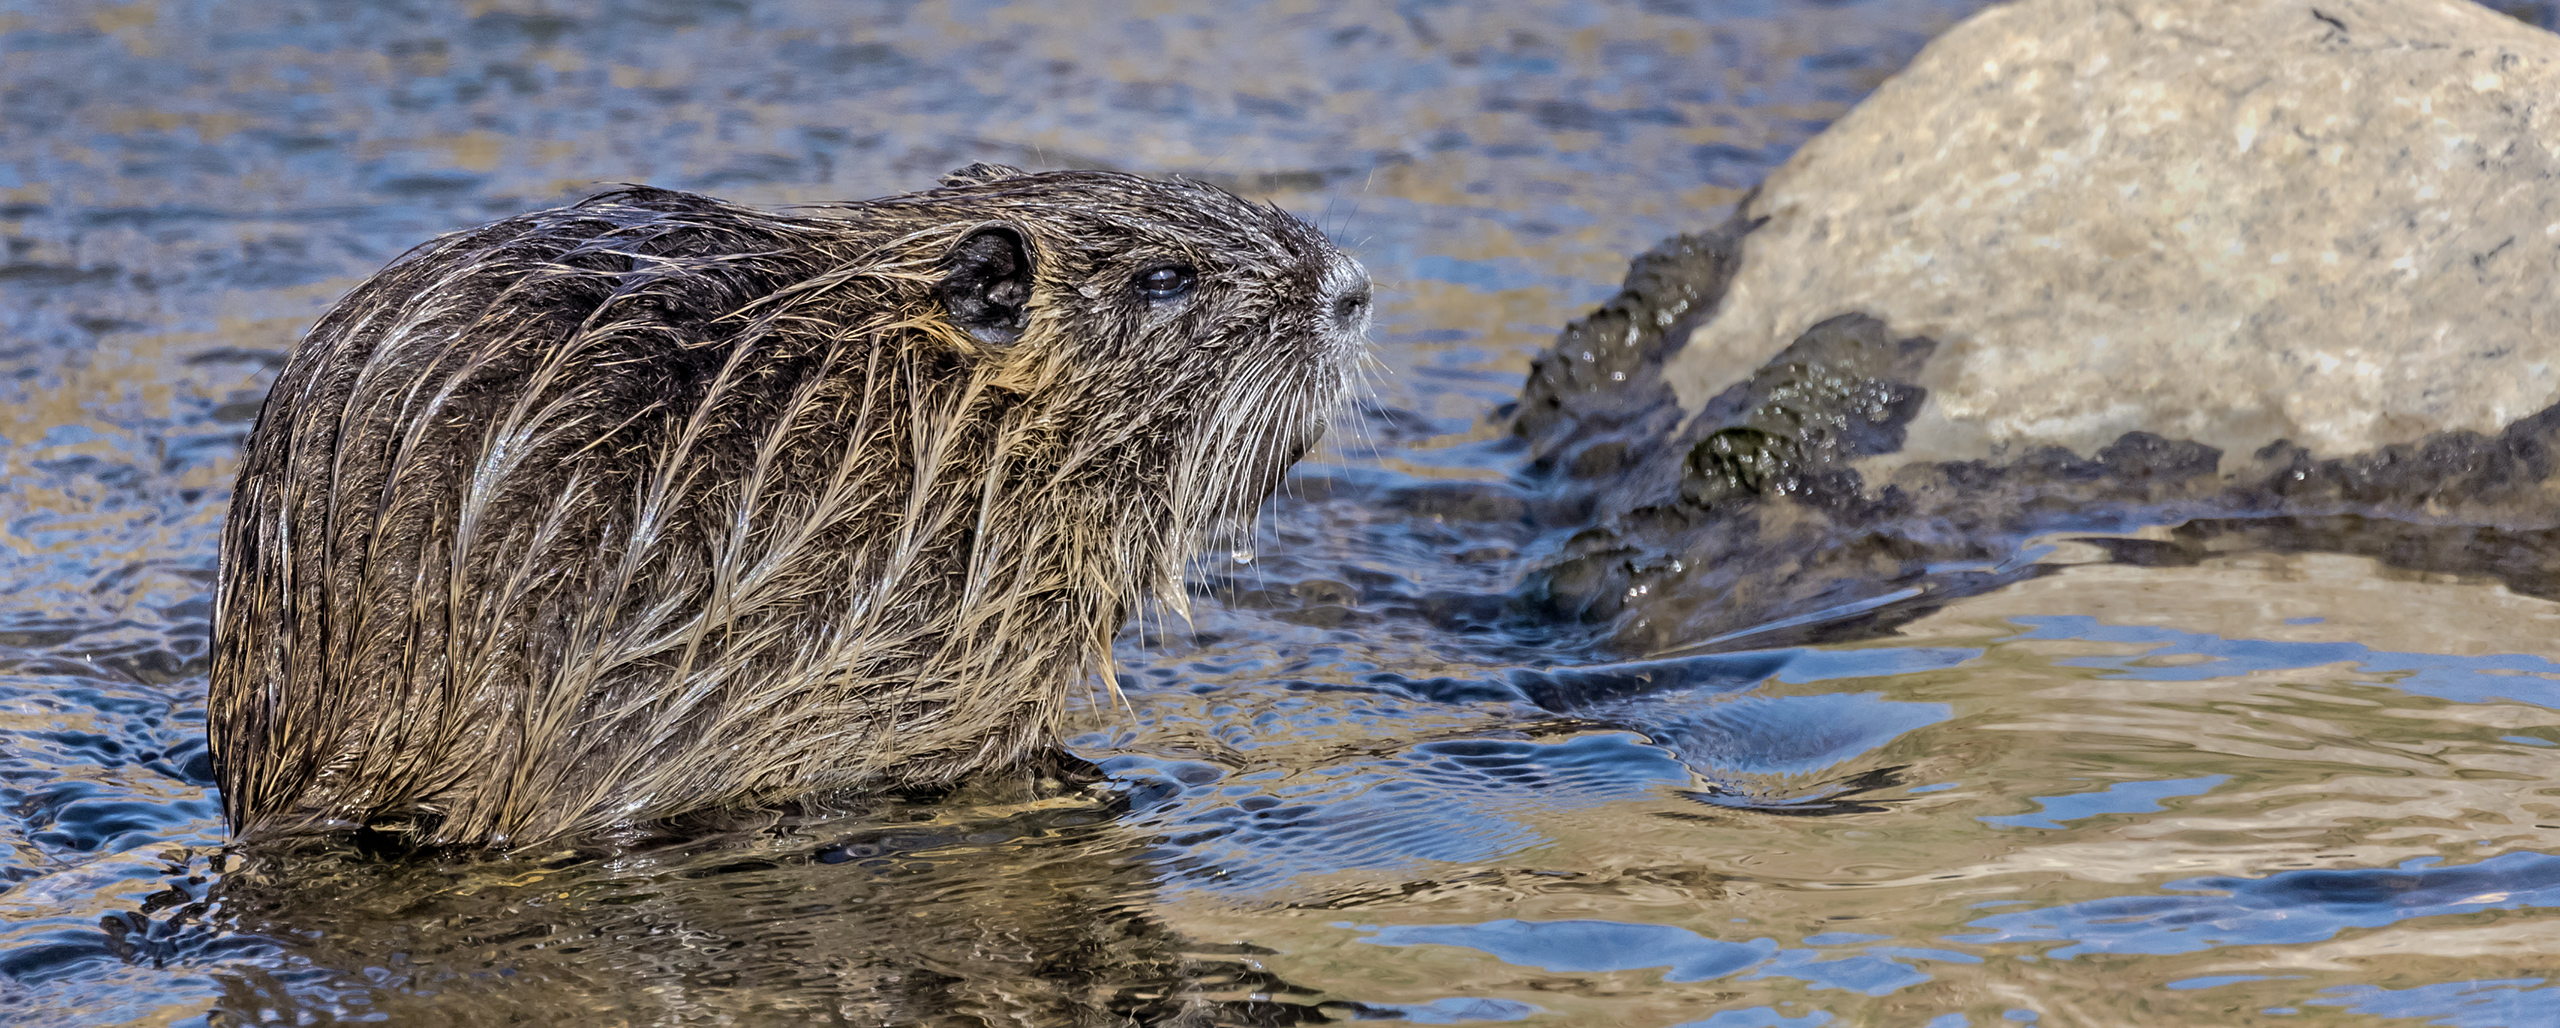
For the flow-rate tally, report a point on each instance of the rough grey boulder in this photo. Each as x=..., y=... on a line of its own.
x=2229, y=221
x=2085, y=265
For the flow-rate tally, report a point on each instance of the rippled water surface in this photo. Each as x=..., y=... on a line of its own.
x=2187, y=776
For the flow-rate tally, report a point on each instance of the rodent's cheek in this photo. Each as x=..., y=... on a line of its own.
x=1346, y=340
x=1171, y=319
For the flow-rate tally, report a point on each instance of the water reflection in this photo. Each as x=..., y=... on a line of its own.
x=2120, y=798
x=2071, y=788
x=1589, y=946
x=2495, y=1003
x=1036, y=917
x=2290, y=907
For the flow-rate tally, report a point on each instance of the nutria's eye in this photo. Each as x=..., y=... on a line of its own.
x=1166, y=282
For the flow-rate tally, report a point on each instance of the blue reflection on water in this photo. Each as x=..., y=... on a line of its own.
x=2120, y=798
x=1454, y=801
x=2509, y=676
x=1759, y=1017
x=2508, y=1003
x=1601, y=946
x=2289, y=908
x=1590, y=946
x=1455, y=1010
x=1759, y=750
x=1783, y=734
x=1865, y=973
x=1687, y=679
x=1490, y=276
x=1842, y=938
x=1805, y=666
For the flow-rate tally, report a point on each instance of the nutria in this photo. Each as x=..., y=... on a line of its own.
x=656, y=505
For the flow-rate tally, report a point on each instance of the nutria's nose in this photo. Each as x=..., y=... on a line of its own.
x=1351, y=298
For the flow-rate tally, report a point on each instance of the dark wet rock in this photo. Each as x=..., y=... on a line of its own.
x=1604, y=376
x=1966, y=365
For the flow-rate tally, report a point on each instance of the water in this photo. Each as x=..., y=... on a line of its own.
x=2197, y=776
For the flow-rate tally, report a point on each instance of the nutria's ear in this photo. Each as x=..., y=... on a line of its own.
x=980, y=173
x=988, y=289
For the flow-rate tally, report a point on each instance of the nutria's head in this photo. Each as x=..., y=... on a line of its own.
x=1199, y=333
x=655, y=503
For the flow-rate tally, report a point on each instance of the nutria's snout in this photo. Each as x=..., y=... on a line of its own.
x=657, y=504
x=1346, y=296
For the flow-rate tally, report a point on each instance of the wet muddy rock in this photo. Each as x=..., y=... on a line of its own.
x=2084, y=266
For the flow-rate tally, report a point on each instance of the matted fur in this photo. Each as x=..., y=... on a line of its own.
x=655, y=503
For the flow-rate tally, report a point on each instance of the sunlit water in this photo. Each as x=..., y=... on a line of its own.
x=2240, y=787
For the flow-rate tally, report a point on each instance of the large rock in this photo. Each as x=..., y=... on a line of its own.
x=2230, y=221
x=2084, y=265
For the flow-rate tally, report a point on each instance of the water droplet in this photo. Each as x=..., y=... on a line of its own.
x=1243, y=556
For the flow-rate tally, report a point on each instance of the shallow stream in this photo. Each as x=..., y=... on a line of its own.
x=2207, y=775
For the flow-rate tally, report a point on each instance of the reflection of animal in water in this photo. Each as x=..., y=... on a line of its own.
x=1034, y=918
x=655, y=504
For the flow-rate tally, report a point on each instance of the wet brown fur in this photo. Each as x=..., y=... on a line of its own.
x=656, y=504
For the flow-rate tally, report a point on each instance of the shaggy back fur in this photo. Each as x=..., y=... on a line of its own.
x=657, y=504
